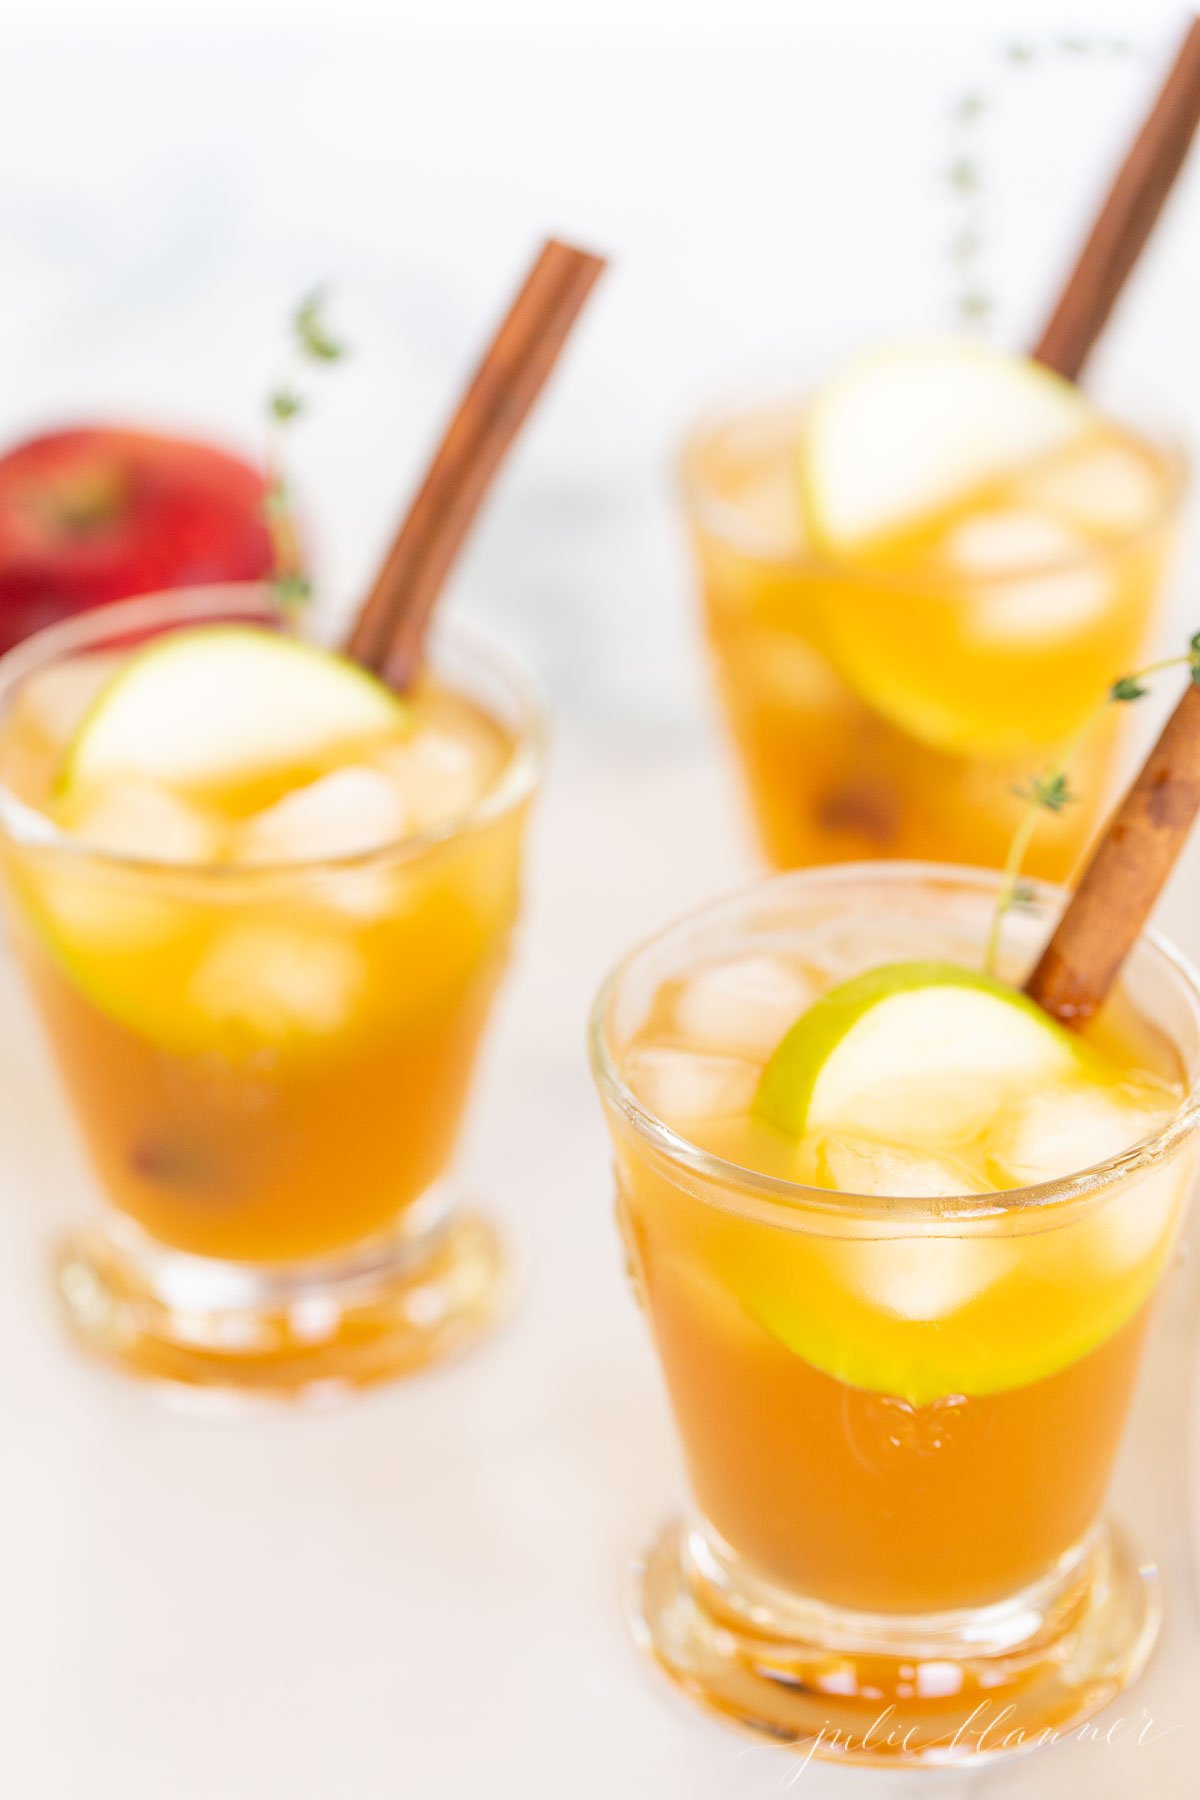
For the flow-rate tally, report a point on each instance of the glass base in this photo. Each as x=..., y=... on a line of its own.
x=313, y=1333
x=864, y=1688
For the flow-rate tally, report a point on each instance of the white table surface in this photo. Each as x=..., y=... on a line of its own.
x=422, y=1595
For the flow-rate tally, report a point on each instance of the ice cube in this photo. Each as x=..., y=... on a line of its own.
x=1107, y=487
x=862, y=1165
x=98, y=913
x=442, y=774
x=743, y=1006
x=1060, y=1131
x=276, y=981
x=840, y=948
x=922, y=1275
x=1004, y=542
x=683, y=1086
x=1137, y=1222
x=1038, y=607
x=768, y=496
x=137, y=819
x=919, y=1274
x=346, y=813
x=788, y=673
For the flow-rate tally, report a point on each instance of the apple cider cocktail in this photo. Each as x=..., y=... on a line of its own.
x=917, y=584
x=897, y=1233
x=263, y=904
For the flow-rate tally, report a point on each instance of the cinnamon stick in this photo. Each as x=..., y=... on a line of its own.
x=1127, y=216
x=1125, y=875
x=388, y=633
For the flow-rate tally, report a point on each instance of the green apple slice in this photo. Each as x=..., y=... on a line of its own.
x=925, y=1314
x=180, y=720
x=225, y=703
x=885, y=1077
x=912, y=1050
x=905, y=431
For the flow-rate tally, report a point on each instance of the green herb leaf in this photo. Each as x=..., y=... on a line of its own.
x=1051, y=791
x=291, y=585
x=974, y=305
x=285, y=403
x=292, y=590
x=969, y=107
x=963, y=174
x=315, y=338
x=277, y=501
x=966, y=174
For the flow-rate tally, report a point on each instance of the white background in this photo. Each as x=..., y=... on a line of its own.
x=421, y=1596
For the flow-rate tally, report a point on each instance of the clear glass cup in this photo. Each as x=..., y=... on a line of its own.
x=895, y=708
x=894, y=1546
x=268, y=1065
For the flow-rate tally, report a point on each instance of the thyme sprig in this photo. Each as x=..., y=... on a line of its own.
x=312, y=342
x=965, y=173
x=1050, y=791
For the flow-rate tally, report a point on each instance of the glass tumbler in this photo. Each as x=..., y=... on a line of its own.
x=895, y=706
x=898, y=1415
x=268, y=1065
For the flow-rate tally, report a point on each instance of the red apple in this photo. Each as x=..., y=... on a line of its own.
x=97, y=514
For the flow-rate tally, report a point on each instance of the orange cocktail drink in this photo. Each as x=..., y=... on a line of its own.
x=893, y=673
x=264, y=979
x=897, y=1236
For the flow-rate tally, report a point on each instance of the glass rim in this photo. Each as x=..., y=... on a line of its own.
x=732, y=525
x=778, y=1201
x=26, y=826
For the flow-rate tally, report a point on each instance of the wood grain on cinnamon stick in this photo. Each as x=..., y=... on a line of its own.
x=1127, y=216
x=388, y=634
x=1125, y=875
